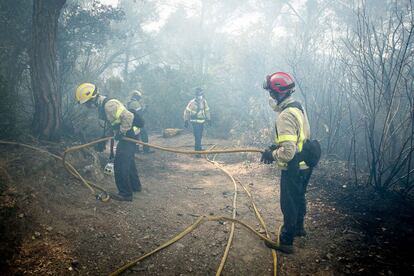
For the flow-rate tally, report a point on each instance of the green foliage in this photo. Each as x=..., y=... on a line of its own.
x=15, y=22
x=7, y=111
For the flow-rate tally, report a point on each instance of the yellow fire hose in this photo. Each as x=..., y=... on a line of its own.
x=186, y=231
x=231, y=235
x=104, y=196
x=256, y=211
x=69, y=167
x=195, y=225
x=192, y=227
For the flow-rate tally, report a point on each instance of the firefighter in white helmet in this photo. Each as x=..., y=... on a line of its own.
x=137, y=105
x=197, y=113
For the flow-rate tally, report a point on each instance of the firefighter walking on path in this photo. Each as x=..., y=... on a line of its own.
x=197, y=113
x=123, y=123
x=137, y=106
x=292, y=131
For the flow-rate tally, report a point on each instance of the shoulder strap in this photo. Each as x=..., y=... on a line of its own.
x=101, y=109
x=294, y=104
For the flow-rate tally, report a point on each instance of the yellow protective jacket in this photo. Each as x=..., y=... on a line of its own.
x=116, y=114
x=292, y=129
x=197, y=111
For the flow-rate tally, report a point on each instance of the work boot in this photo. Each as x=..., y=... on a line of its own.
x=285, y=248
x=300, y=231
x=119, y=197
x=137, y=190
x=300, y=228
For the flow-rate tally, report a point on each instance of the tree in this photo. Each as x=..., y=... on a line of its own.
x=47, y=119
x=15, y=21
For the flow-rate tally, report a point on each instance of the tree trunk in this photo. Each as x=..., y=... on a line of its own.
x=47, y=120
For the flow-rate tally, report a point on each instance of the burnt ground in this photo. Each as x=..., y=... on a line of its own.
x=52, y=225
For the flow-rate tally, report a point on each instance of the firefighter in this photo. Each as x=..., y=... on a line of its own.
x=292, y=130
x=124, y=124
x=197, y=113
x=137, y=106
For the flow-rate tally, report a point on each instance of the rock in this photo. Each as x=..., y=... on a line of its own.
x=171, y=132
x=21, y=215
x=49, y=229
x=37, y=234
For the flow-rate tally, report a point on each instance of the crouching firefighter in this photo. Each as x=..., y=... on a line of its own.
x=198, y=113
x=292, y=133
x=124, y=124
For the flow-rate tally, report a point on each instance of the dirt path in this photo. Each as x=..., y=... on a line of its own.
x=62, y=229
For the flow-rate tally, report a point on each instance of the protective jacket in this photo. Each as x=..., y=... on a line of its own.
x=137, y=106
x=197, y=111
x=114, y=112
x=292, y=129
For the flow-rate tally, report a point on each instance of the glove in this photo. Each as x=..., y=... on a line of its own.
x=208, y=122
x=186, y=124
x=273, y=147
x=130, y=134
x=267, y=157
x=118, y=136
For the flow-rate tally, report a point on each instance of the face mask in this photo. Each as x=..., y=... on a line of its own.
x=199, y=98
x=90, y=104
x=273, y=105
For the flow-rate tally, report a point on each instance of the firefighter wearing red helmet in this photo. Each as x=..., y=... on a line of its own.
x=292, y=130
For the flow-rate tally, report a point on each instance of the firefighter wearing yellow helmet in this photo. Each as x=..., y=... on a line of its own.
x=123, y=123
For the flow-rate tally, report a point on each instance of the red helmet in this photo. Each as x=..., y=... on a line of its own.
x=279, y=82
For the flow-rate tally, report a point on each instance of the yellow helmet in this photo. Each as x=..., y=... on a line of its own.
x=85, y=92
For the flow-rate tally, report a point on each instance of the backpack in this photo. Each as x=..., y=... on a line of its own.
x=311, y=150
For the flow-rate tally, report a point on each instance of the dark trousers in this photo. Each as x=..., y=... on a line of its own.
x=198, y=135
x=293, y=202
x=126, y=174
x=143, y=135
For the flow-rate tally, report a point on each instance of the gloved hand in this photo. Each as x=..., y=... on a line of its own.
x=186, y=124
x=267, y=157
x=273, y=147
x=208, y=123
x=118, y=136
x=130, y=134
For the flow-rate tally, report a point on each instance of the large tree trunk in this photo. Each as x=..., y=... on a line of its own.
x=47, y=120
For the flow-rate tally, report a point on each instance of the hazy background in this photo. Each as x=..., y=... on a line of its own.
x=352, y=61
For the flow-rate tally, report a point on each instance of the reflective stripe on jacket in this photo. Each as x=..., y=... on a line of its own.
x=117, y=114
x=197, y=112
x=292, y=129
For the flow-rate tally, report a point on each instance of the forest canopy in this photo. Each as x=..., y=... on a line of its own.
x=352, y=62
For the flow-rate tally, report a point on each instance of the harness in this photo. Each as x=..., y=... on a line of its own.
x=198, y=115
x=296, y=109
x=117, y=121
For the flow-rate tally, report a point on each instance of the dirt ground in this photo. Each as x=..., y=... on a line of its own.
x=52, y=225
